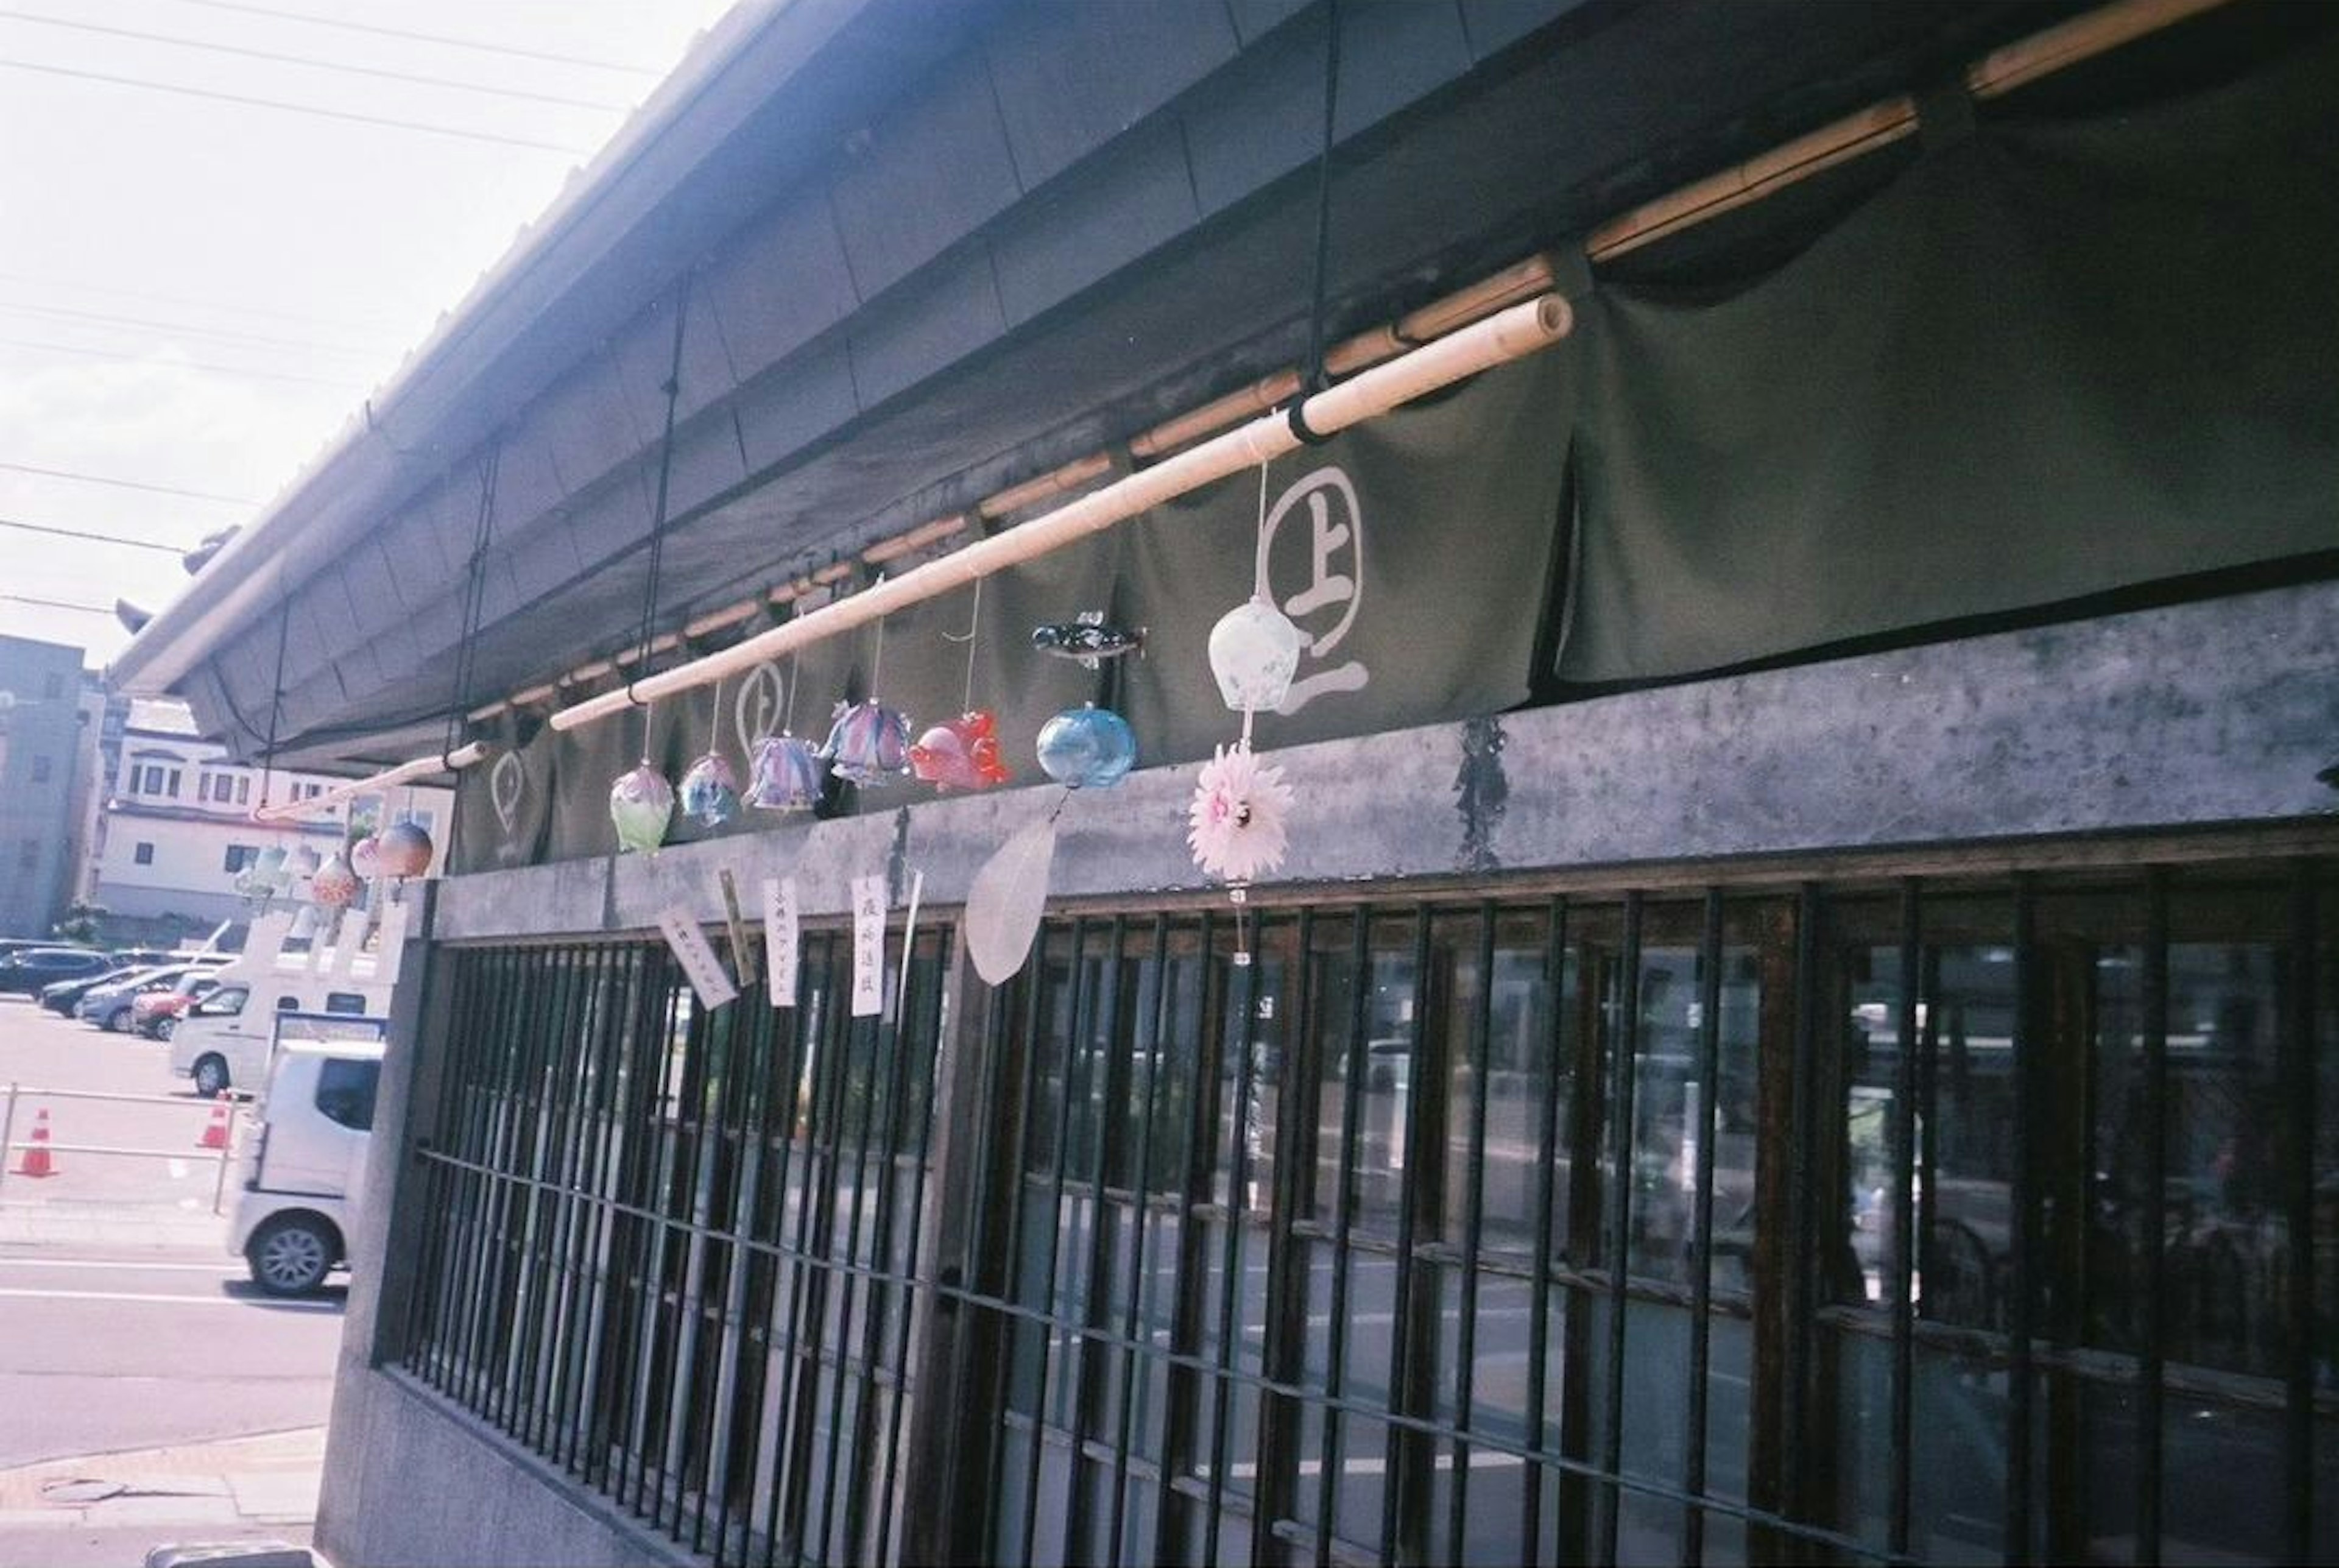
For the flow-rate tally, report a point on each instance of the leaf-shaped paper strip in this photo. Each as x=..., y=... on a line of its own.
x=1004, y=905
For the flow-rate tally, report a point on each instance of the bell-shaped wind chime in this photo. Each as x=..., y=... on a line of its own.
x=784, y=771
x=405, y=850
x=641, y=806
x=1083, y=748
x=868, y=743
x=710, y=787
x=1237, y=823
x=1087, y=747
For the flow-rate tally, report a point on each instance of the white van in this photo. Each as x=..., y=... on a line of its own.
x=222, y=1041
x=304, y=1168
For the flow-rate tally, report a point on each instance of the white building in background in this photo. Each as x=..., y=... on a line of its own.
x=177, y=828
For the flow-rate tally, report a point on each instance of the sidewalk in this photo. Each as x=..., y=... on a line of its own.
x=187, y=1224
x=114, y=1507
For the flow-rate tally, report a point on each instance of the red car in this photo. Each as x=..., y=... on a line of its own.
x=155, y=1013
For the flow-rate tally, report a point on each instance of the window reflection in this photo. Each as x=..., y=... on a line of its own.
x=1962, y=1179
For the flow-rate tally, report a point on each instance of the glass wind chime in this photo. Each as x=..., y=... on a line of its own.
x=1237, y=824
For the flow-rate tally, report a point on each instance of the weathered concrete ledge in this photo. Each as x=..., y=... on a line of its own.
x=2185, y=716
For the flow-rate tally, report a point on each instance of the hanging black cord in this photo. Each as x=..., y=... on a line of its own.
x=673, y=389
x=275, y=700
x=1313, y=378
x=466, y=652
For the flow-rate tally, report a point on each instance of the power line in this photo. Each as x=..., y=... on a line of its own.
x=128, y=484
x=395, y=125
x=420, y=37
x=153, y=298
x=105, y=610
x=93, y=537
x=117, y=355
x=225, y=334
x=599, y=105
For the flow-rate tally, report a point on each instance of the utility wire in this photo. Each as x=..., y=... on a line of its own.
x=224, y=334
x=600, y=105
x=128, y=484
x=183, y=364
x=105, y=610
x=151, y=299
x=94, y=538
x=354, y=118
x=283, y=15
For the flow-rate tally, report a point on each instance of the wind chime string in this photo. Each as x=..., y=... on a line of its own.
x=1258, y=583
x=714, y=721
x=973, y=623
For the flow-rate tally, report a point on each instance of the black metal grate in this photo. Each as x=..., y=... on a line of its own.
x=1625, y=1228
x=1947, y=1219
x=672, y=1250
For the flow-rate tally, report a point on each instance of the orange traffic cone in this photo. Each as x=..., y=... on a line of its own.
x=37, y=1158
x=215, y=1134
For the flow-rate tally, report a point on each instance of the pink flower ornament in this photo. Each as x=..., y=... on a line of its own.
x=1236, y=824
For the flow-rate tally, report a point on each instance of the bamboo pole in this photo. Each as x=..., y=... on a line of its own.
x=461, y=757
x=1508, y=335
x=1853, y=136
x=2083, y=37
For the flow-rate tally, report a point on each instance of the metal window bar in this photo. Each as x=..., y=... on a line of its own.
x=770, y=1137
x=1089, y=1363
x=1466, y=1365
x=1802, y=1294
x=1902, y=1260
x=1556, y=1060
x=1241, y=981
x=2021, y=1261
x=544, y=1327
x=612, y=982
x=2297, y=1071
x=1284, y=1300
x=1149, y=1040
x=1625, y=1057
x=1398, y=1464
x=816, y=1268
x=801, y=1055
x=2150, y=1376
x=860, y=1036
x=1708, y=1075
x=1178, y=1416
x=1035, y=986
x=1335, y=1362
x=648, y=1280
x=1073, y=1059
x=745, y=1093
x=926, y=1040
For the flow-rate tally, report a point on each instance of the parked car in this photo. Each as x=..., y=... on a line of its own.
x=26, y=972
x=63, y=996
x=108, y=1006
x=302, y=1184
x=155, y=1013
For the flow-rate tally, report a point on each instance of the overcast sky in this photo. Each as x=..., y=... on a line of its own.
x=196, y=293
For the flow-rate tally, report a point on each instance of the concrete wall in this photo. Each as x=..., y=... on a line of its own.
x=2195, y=715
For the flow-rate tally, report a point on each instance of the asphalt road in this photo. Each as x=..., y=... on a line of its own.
x=123, y=1321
